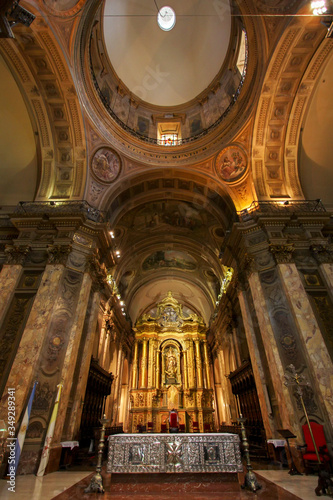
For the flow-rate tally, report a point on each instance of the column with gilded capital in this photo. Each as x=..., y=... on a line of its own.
x=185, y=369
x=198, y=363
x=158, y=368
x=143, y=364
x=118, y=385
x=190, y=364
x=135, y=365
x=151, y=363
x=207, y=367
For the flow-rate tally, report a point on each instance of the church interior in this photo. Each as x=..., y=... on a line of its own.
x=166, y=231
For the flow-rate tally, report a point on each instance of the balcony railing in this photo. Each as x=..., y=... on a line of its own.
x=60, y=208
x=281, y=208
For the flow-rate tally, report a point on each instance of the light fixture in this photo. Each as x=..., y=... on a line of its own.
x=319, y=7
x=324, y=8
x=112, y=234
x=166, y=18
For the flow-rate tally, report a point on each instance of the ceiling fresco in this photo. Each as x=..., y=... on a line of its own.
x=161, y=239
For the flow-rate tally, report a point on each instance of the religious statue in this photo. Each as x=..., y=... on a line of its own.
x=171, y=365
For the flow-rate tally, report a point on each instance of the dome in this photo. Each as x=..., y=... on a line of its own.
x=166, y=68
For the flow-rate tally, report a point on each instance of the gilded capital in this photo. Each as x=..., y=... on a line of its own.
x=16, y=255
x=322, y=253
x=283, y=254
x=58, y=254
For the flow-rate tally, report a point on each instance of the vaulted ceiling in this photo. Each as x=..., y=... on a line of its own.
x=68, y=94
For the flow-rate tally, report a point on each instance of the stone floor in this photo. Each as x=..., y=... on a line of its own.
x=64, y=485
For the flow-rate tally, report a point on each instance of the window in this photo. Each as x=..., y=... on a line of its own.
x=168, y=133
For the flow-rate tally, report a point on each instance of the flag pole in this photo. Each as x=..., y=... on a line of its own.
x=20, y=438
x=49, y=435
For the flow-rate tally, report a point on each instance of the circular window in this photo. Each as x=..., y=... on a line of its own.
x=166, y=18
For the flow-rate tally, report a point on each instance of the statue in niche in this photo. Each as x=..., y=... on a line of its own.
x=171, y=366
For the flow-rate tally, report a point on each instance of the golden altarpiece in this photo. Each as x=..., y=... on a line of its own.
x=171, y=370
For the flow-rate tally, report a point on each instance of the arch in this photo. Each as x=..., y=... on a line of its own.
x=280, y=108
x=44, y=77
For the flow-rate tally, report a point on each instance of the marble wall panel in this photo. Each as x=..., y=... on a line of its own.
x=258, y=370
x=288, y=419
x=9, y=277
x=310, y=334
x=24, y=366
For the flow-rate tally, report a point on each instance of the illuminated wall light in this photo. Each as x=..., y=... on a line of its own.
x=319, y=7
x=111, y=234
x=118, y=296
x=122, y=303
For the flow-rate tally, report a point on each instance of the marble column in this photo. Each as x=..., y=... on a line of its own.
x=158, y=368
x=327, y=270
x=9, y=278
x=71, y=356
x=102, y=337
x=198, y=363
x=318, y=356
x=207, y=366
x=288, y=417
x=106, y=347
x=235, y=346
x=76, y=413
x=135, y=365
x=258, y=370
x=143, y=364
x=23, y=371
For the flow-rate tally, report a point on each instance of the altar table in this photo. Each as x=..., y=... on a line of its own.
x=179, y=452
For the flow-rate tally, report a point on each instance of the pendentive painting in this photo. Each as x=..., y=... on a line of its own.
x=105, y=165
x=231, y=163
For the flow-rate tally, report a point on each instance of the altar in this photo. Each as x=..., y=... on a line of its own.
x=169, y=453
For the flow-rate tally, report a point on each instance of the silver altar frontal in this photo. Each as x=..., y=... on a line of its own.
x=148, y=453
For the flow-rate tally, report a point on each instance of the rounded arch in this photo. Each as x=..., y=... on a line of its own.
x=280, y=108
x=44, y=77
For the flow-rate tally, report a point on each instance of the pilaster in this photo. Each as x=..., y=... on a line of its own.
x=75, y=420
x=9, y=278
x=310, y=334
